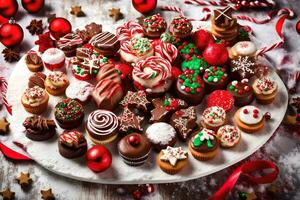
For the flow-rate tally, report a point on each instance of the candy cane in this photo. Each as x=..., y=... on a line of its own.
x=172, y=8
x=286, y=13
x=207, y=15
x=256, y=21
x=206, y=3
x=3, y=90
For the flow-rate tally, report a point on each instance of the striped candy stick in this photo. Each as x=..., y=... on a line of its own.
x=3, y=90
x=172, y=8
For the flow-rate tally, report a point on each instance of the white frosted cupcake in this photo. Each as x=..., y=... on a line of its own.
x=80, y=90
x=54, y=59
x=229, y=136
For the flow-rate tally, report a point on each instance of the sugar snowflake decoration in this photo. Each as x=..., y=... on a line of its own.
x=243, y=64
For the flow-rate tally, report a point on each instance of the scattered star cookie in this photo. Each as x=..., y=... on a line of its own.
x=4, y=126
x=129, y=121
x=47, y=194
x=24, y=180
x=76, y=10
x=35, y=27
x=136, y=100
x=116, y=14
x=11, y=54
x=7, y=194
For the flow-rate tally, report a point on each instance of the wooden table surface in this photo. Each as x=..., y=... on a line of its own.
x=283, y=147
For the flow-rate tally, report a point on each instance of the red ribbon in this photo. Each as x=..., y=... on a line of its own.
x=246, y=169
x=9, y=153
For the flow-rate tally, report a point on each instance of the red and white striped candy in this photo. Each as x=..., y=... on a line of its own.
x=172, y=8
x=166, y=50
x=3, y=90
x=128, y=30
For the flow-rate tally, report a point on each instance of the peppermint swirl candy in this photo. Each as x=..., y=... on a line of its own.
x=102, y=122
x=151, y=67
x=166, y=50
x=129, y=30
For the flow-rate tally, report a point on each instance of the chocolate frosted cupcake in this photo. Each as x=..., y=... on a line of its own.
x=37, y=79
x=68, y=113
x=34, y=61
x=215, y=78
x=134, y=149
x=72, y=144
x=154, y=25
x=241, y=91
x=105, y=43
x=39, y=129
x=102, y=126
x=204, y=145
x=181, y=27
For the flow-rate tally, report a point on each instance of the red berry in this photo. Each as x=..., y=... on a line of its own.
x=245, y=111
x=255, y=115
x=247, y=88
x=255, y=111
x=240, y=91
x=198, y=90
x=134, y=140
x=187, y=89
x=267, y=116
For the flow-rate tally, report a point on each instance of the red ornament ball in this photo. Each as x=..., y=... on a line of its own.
x=3, y=20
x=136, y=195
x=298, y=27
x=202, y=38
x=144, y=6
x=59, y=27
x=33, y=6
x=11, y=34
x=134, y=140
x=221, y=98
x=98, y=158
x=215, y=54
x=8, y=8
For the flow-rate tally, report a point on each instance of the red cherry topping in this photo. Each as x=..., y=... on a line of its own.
x=255, y=111
x=247, y=88
x=240, y=91
x=134, y=140
x=255, y=115
x=245, y=111
x=267, y=116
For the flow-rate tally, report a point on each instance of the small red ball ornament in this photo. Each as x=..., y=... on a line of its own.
x=134, y=140
x=215, y=54
x=59, y=27
x=11, y=34
x=144, y=6
x=8, y=8
x=33, y=6
x=298, y=27
x=98, y=158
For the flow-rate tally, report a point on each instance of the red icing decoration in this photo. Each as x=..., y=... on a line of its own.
x=59, y=27
x=11, y=34
x=134, y=140
x=98, y=158
x=33, y=6
x=221, y=98
x=255, y=115
x=255, y=111
x=144, y=6
x=215, y=54
x=8, y=8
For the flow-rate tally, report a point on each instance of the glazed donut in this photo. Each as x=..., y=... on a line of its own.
x=128, y=30
x=153, y=73
x=166, y=50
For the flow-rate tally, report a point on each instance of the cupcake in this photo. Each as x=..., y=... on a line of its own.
x=241, y=91
x=54, y=59
x=37, y=79
x=80, y=91
x=161, y=135
x=249, y=119
x=35, y=100
x=154, y=25
x=213, y=118
x=34, y=61
x=56, y=83
x=69, y=43
x=172, y=159
x=215, y=78
x=134, y=149
x=265, y=90
x=181, y=27
x=39, y=129
x=68, y=113
x=242, y=48
x=102, y=126
x=136, y=49
x=204, y=145
x=72, y=144
x=228, y=136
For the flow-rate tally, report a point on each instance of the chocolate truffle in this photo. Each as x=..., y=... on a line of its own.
x=154, y=25
x=39, y=129
x=105, y=43
x=37, y=79
x=215, y=78
x=241, y=91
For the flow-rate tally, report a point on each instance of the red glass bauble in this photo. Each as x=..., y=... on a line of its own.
x=59, y=27
x=33, y=6
x=8, y=8
x=298, y=27
x=98, y=158
x=11, y=34
x=134, y=140
x=144, y=6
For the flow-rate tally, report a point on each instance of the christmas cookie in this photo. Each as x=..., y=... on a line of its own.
x=172, y=159
x=102, y=126
x=195, y=63
x=56, y=83
x=38, y=128
x=135, y=49
x=221, y=98
x=34, y=61
x=188, y=50
x=129, y=30
x=161, y=135
x=242, y=48
x=108, y=71
x=170, y=38
x=152, y=75
x=181, y=27
x=164, y=108
x=68, y=113
x=242, y=67
x=37, y=79
x=265, y=90
x=129, y=121
x=213, y=118
x=136, y=100
x=80, y=91
x=242, y=92
x=215, y=78
x=107, y=94
x=184, y=121
x=229, y=136
x=249, y=119
x=72, y=144
x=154, y=25
x=54, y=59
x=35, y=100
x=105, y=43
x=134, y=149
x=69, y=43
x=166, y=50
x=204, y=145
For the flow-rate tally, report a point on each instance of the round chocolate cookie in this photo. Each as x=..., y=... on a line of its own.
x=181, y=27
x=102, y=126
x=215, y=78
x=72, y=144
x=154, y=25
x=134, y=149
x=37, y=79
x=241, y=91
x=39, y=129
x=105, y=43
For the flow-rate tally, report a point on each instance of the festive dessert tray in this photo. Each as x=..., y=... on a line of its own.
x=165, y=114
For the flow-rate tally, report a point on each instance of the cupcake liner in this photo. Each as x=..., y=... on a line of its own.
x=106, y=141
x=203, y=156
x=37, y=109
